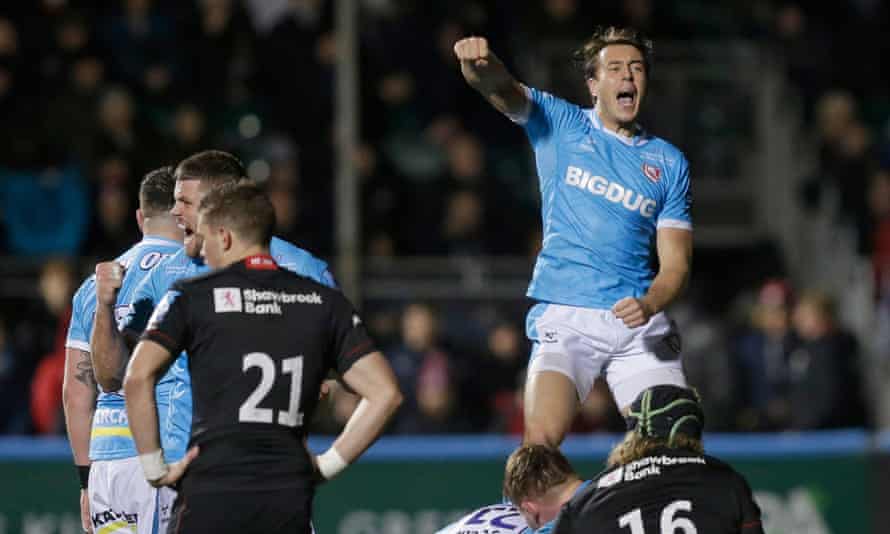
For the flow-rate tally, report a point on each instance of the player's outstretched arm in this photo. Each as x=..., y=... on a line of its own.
x=78, y=403
x=107, y=347
x=486, y=73
x=373, y=379
x=675, y=259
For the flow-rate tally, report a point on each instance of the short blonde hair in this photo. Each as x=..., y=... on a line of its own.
x=588, y=55
x=532, y=470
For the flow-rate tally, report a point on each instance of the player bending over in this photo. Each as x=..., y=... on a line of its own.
x=660, y=480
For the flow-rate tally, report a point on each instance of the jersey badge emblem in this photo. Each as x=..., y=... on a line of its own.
x=652, y=172
x=610, y=479
x=226, y=299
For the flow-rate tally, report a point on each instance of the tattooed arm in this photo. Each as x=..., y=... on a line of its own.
x=79, y=402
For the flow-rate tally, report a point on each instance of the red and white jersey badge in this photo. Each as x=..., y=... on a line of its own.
x=652, y=172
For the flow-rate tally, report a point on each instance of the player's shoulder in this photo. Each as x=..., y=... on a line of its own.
x=294, y=258
x=549, y=103
x=86, y=287
x=177, y=259
x=720, y=469
x=84, y=293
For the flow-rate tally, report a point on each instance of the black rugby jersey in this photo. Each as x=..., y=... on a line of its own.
x=667, y=491
x=260, y=340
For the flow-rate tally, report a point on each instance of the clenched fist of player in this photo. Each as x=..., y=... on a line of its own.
x=632, y=311
x=474, y=49
x=109, y=277
x=476, y=59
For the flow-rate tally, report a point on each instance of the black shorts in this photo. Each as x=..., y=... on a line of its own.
x=268, y=512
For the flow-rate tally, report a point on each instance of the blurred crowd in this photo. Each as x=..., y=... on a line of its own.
x=94, y=93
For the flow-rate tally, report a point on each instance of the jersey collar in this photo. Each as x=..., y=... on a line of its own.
x=158, y=240
x=638, y=140
x=260, y=262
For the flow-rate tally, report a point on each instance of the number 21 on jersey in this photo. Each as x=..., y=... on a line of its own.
x=250, y=412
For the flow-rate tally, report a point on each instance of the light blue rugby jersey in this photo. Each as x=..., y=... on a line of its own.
x=602, y=198
x=175, y=411
x=110, y=437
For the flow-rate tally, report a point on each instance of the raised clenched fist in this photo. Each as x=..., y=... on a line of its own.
x=478, y=63
x=472, y=49
x=109, y=277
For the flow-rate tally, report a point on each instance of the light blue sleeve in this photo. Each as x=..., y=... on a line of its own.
x=549, y=117
x=299, y=261
x=677, y=211
x=83, y=306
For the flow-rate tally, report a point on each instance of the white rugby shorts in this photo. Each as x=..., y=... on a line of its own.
x=583, y=343
x=122, y=501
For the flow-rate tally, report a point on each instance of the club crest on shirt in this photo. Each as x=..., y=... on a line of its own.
x=227, y=299
x=652, y=172
x=610, y=479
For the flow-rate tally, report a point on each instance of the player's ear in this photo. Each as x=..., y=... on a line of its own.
x=592, y=87
x=140, y=220
x=530, y=507
x=225, y=238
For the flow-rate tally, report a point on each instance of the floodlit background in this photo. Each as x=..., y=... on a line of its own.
x=380, y=159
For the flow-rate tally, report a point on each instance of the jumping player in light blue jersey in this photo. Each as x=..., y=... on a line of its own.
x=617, y=231
x=116, y=502
x=194, y=177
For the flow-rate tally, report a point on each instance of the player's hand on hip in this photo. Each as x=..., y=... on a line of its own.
x=632, y=311
x=86, y=521
x=109, y=277
x=176, y=469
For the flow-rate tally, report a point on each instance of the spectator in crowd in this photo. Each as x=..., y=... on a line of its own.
x=220, y=52
x=761, y=360
x=141, y=40
x=420, y=346
x=825, y=386
x=188, y=133
x=56, y=288
x=439, y=399
x=122, y=138
x=71, y=110
x=113, y=228
x=462, y=228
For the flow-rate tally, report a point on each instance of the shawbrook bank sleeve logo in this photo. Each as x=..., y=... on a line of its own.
x=613, y=192
x=226, y=299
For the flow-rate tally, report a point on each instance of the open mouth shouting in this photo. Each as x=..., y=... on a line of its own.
x=627, y=99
